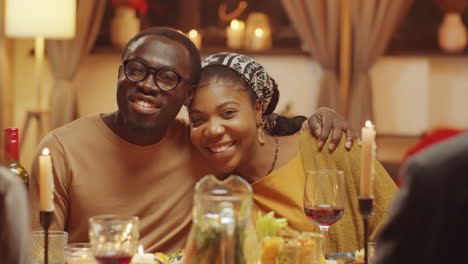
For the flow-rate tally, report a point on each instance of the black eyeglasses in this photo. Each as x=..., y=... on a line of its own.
x=137, y=71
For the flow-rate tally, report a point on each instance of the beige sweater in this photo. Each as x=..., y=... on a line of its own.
x=97, y=172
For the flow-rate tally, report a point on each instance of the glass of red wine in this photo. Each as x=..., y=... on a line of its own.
x=324, y=198
x=113, y=238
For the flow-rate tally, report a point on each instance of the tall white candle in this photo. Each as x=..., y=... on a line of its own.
x=235, y=34
x=46, y=182
x=367, y=160
x=195, y=37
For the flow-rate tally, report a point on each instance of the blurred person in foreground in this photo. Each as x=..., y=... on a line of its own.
x=139, y=159
x=15, y=223
x=428, y=221
x=229, y=128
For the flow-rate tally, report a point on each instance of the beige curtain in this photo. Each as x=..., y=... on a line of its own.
x=2, y=77
x=2, y=74
x=65, y=57
x=318, y=24
x=374, y=23
x=6, y=79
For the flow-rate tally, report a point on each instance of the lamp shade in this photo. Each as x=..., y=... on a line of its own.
x=52, y=19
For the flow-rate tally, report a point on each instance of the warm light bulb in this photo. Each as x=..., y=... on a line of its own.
x=235, y=24
x=193, y=33
x=45, y=152
x=368, y=123
x=258, y=32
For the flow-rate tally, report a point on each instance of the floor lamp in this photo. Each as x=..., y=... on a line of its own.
x=39, y=19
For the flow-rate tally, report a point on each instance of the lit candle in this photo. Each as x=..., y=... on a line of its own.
x=195, y=37
x=46, y=182
x=258, y=40
x=235, y=34
x=143, y=258
x=367, y=160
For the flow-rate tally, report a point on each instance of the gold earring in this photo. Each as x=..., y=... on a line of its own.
x=261, y=136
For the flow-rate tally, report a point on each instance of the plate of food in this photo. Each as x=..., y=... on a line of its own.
x=347, y=257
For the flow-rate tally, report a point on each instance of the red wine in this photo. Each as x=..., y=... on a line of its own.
x=324, y=215
x=119, y=259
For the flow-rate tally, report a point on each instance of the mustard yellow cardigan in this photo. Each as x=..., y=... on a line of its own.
x=282, y=192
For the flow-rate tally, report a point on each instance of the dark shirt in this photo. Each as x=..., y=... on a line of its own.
x=429, y=220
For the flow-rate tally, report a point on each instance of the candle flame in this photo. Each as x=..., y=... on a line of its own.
x=45, y=152
x=235, y=24
x=140, y=250
x=368, y=123
x=193, y=33
x=258, y=32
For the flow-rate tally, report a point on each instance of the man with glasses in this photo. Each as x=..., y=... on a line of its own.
x=136, y=70
x=138, y=160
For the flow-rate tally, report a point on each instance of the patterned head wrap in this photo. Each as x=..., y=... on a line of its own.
x=253, y=73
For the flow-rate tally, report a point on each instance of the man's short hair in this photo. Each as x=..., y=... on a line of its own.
x=175, y=35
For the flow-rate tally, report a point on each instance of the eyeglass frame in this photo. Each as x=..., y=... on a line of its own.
x=155, y=70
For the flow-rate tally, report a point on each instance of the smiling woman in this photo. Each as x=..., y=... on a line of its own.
x=228, y=115
x=229, y=129
x=225, y=130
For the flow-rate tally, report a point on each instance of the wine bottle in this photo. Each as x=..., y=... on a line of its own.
x=12, y=155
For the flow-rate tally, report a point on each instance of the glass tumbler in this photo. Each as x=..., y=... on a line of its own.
x=57, y=242
x=79, y=253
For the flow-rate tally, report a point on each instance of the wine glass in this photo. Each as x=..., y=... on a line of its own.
x=113, y=238
x=324, y=198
